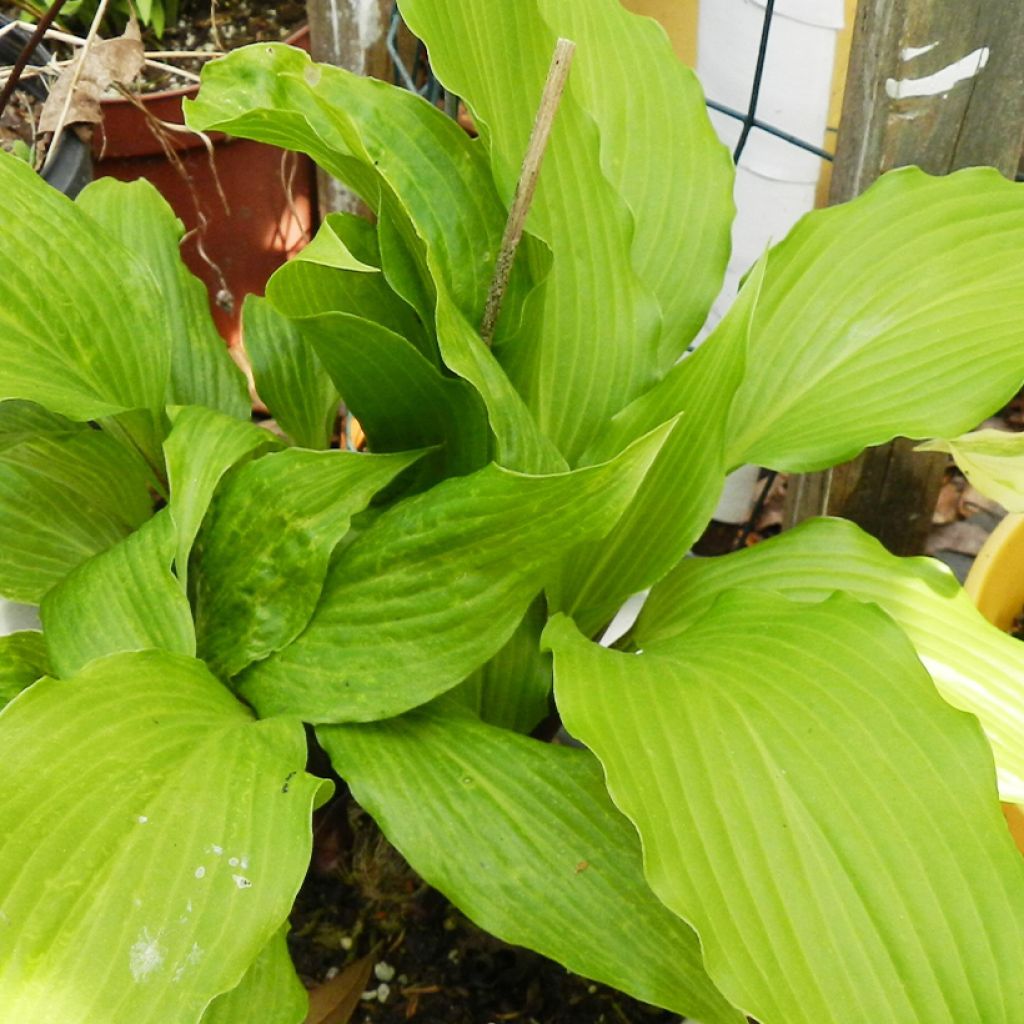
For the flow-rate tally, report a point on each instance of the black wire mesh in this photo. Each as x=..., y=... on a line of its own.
x=414, y=73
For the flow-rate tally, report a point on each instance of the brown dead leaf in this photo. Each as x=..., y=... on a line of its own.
x=107, y=61
x=972, y=501
x=336, y=1000
x=947, y=508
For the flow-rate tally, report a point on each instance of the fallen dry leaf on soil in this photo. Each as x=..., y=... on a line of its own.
x=336, y=1000
x=947, y=507
x=106, y=62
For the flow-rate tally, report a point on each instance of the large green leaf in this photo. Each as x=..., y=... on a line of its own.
x=22, y=661
x=436, y=586
x=603, y=192
x=521, y=836
x=202, y=372
x=102, y=346
x=400, y=399
x=808, y=802
x=261, y=557
x=201, y=447
x=307, y=286
x=24, y=421
x=975, y=666
x=513, y=689
x=659, y=151
x=270, y=992
x=519, y=444
x=289, y=377
x=124, y=599
x=396, y=150
x=679, y=495
x=63, y=499
x=993, y=461
x=152, y=839
x=897, y=313
x=427, y=180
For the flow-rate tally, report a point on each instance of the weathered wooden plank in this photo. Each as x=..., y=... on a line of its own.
x=351, y=34
x=939, y=84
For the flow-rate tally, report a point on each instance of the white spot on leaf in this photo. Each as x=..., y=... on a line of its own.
x=145, y=956
x=242, y=882
x=200, y=871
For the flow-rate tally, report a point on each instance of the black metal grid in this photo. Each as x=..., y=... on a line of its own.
x=418, y=77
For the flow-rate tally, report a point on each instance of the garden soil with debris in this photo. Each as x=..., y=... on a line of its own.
x=225, y=25
x=17, y=123
x=429, y=963
x=203, y=27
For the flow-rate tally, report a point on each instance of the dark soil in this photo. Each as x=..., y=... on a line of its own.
x=361, y=898
x=206, y=26
x=219, y=27
x=18, y=121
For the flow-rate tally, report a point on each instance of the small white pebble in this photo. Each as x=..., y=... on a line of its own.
x=383, y=971
x=332, y=972
x=383, y=991
x=369, y=996
x=346, y=942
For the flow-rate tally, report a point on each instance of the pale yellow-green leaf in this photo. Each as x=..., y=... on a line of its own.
x=813, y=808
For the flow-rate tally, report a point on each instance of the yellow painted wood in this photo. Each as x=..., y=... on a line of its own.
x=842, y=65
x=679, y=18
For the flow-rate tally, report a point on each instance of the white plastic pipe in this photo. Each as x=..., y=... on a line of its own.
x=15, y=617
x=775, y=181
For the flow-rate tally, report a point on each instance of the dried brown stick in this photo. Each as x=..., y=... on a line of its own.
x=30, y=47
x=94, y=28
x=554, y=87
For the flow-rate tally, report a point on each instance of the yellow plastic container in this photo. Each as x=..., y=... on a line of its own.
x=996, y=585
x=996, y=580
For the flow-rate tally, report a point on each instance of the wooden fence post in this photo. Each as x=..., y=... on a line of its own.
x=351, y=34
x=939, y=84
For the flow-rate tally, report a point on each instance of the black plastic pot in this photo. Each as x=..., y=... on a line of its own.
x=71, y=168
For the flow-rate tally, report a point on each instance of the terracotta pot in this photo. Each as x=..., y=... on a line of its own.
x=996, y=585
x=264, y=222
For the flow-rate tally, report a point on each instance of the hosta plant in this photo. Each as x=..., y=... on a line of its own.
x=787, y=802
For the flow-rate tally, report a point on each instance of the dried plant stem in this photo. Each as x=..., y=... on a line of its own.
x=554, y=87
x=94, y=29
x=73, y=40
x=29, y=48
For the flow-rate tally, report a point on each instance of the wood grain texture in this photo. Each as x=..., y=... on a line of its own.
x=351, y=34
x=891, y=490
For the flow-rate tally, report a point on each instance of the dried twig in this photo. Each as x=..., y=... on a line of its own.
x=94, y=29
x=72, y=40
x=289, y=167
x=554, y=87
x=29, y=48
